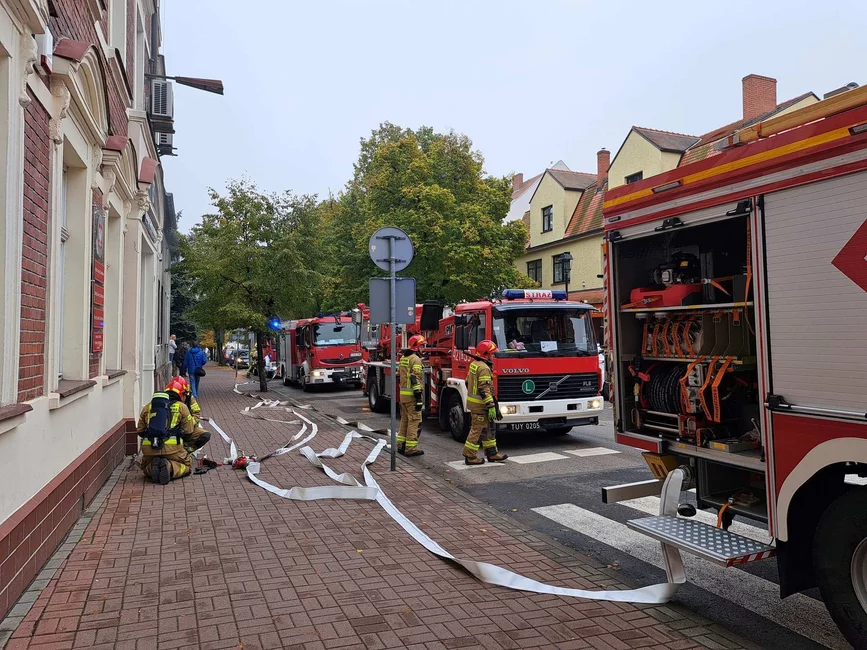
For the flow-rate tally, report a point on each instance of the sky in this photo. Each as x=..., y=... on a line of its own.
x=529, y=82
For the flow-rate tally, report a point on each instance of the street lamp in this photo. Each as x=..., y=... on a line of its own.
x=566, y=264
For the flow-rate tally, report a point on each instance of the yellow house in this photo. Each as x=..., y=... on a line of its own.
x=648, y=152
x=565, y=216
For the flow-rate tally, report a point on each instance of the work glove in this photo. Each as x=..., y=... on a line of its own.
x=419, y=404
x=492, y=413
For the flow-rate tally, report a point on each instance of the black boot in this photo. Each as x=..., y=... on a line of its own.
x=160, y=471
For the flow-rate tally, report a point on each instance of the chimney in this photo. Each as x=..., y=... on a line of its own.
x=603, y=162
x=760, y=95
x=517, y=181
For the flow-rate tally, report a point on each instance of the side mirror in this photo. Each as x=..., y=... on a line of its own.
x=462, y=338
x=461, y=319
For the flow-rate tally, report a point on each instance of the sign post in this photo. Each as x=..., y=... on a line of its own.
x=391, y=250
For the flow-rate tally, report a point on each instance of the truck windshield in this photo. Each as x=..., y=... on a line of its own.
x=334, y=334
x=551, y=331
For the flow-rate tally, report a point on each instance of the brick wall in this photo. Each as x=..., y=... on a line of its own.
x=34, y=262
x=130, y=40
x=73, y=21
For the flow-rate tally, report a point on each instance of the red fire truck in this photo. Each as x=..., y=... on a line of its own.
x=546, y=372
x=736, y=292
x=319, y=351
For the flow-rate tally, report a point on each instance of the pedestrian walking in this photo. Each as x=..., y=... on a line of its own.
x=180, y=357
x=173, y=346
x=194, y=364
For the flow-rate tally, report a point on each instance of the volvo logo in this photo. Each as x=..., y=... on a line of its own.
x=515, y=371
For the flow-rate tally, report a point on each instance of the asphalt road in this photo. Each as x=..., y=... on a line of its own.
x=553, y=484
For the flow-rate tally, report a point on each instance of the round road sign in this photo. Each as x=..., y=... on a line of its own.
x=395, y=240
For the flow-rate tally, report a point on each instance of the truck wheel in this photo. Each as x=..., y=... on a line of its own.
x=287, y=381
x=606, y=392
x=840, y=563
x=459, y=420
x=377, y=403
x=558, y=431
x=305, y=384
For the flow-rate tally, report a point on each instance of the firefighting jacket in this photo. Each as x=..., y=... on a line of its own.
x=480, y=385
x=410, y=375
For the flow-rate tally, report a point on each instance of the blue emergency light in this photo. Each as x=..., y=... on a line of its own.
x=534, y=294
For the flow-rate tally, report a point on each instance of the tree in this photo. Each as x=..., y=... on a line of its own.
x=182, y=301
x=253, y=260
x=433, y=186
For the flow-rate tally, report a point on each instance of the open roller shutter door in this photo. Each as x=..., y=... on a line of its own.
x=817, y=312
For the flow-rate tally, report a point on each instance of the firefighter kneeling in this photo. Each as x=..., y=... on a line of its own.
x=165, y=424
x=200, y=436
x=483, y=409
x=410, y=372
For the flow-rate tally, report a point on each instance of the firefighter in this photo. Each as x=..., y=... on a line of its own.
x=411, y=403
x=200, y=436
x=483, y=409
x=164, y=424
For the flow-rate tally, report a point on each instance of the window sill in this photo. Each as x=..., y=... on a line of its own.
x=68, y=391
x=13, y=415
x=111, y=377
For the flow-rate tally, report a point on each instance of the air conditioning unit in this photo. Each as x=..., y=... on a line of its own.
x=164, y=139
x=162, y=102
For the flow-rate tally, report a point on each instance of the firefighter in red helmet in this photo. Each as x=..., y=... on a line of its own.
x=165, y=425
x=410, y=372
x=483, y=410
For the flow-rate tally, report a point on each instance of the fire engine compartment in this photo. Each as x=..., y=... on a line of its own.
x=686, y=363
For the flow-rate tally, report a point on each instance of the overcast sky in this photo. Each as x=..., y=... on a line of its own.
x=529, y=82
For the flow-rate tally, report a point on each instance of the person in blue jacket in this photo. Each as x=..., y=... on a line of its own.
x=194, y=362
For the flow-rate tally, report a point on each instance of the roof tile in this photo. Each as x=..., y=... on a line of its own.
x=587, y=216
x=668, y=140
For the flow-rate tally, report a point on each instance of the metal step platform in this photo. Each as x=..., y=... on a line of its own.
x=708, y=542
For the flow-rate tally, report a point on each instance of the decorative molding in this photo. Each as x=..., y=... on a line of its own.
x=62, y=98
x=143, y=202
x=110, y=176
x=29, y=57
x=97, y=156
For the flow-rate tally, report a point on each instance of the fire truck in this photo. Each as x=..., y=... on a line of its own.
x=319, y=351
x=736, y=303
x=546, y=372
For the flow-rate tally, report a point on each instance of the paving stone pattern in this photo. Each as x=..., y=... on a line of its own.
x=214, y=561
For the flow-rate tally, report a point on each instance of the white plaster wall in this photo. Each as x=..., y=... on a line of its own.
x=48, y=441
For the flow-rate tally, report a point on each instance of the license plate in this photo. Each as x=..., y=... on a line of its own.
x=318, y=381
x=525, y=426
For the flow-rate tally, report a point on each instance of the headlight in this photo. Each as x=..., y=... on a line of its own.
x=317, y=373
x=509, y=409
x=596, y=404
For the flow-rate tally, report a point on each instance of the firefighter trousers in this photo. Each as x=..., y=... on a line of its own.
x=180, y=461
x=481, y=434
x=410, y=426
x=198, y=438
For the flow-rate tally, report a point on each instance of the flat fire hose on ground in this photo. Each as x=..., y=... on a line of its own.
x=351, y=488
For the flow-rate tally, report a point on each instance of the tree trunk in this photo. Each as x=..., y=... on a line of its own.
x=260, y=364
x=219, y=335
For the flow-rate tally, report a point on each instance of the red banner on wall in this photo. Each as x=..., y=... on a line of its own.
x=98, y=295
x=96, y=343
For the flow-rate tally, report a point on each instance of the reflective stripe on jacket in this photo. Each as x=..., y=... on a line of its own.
x=410, y=371
x=480, y=384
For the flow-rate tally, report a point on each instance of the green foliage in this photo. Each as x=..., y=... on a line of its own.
x=254, y=258
x=433, y=186
x=182, y=300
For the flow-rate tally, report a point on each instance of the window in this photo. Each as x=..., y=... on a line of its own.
x=476, y=329
x=548, y=219
x=534, y=270
x=334, y=334
x=634, y=178
x=559, y=270
x=61, y=264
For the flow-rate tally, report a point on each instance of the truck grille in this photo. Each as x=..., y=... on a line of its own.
x=512, y=389
x=341, y=362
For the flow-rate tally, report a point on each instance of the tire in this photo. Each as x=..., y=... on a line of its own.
x=377, y=403
x=286, y=380
x=839, y=555
x=558, y=431
x=606, y=392
x=459, y=420
x=305, y=385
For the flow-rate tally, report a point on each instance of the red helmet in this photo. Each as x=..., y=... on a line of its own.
x=415, y=342
x=485, y=349
x=178, y=387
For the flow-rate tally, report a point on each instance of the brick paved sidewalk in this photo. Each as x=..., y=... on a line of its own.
x=214, y=561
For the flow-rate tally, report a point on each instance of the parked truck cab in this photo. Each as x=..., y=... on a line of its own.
x=322, y=350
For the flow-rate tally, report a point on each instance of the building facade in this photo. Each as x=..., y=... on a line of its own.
x=565, y=216
x=84, y=261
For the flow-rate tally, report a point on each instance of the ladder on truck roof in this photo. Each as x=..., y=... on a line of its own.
x=682, y=533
